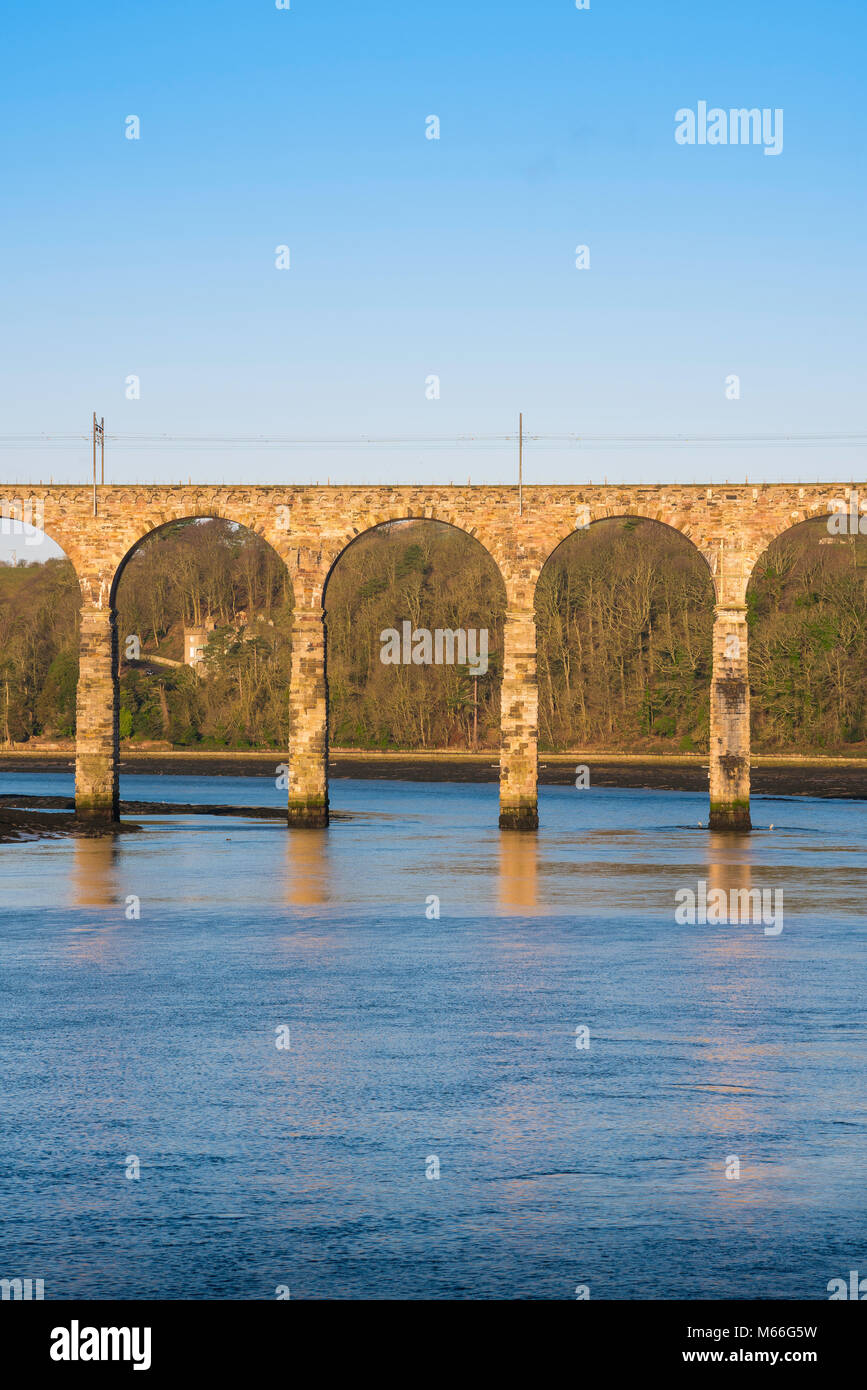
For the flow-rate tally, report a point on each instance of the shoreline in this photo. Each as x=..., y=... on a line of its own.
x=772, y=774
x=56, y=753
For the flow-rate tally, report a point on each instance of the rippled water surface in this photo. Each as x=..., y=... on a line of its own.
x=414, y=1037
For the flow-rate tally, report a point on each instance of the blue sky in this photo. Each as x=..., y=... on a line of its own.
x=412, y=257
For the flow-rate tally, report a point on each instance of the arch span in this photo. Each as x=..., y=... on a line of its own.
x=399, y=576
x=205, y=584
x=153, y=531
x=372, y=524
x=807, y=607
x=24, y=528
x=40, y=599
x=624, y=611
x=594, y=516
x=829, y=529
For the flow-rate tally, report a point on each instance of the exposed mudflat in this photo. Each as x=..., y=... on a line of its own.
x=50, y=817
x=24, y=821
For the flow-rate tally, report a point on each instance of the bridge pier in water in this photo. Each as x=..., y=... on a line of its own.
x=730, y=721
x=97, y=744
x=519, y=719
x=308, y=722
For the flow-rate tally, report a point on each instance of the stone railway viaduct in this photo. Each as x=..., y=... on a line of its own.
x=310, y=527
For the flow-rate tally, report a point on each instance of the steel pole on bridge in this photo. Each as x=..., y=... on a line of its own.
x=98, y=434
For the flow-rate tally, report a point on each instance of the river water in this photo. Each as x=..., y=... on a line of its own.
x=413, y=1044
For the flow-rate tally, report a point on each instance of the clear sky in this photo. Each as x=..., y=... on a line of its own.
x=413, y=257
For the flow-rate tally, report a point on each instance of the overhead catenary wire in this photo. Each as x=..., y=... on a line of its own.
x=477, y=442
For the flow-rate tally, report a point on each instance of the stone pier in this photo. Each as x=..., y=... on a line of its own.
x=519, y=716
x=97, y=744
x=308, y=722
x=730, y=722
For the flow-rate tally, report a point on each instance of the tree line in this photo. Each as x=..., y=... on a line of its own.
x=624, y=623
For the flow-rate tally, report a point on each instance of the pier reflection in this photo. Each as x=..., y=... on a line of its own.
x=93, y=882
x=518, y=870
x=308, y=867
x=729, y=864
x=729, y=1103
x=730, y=869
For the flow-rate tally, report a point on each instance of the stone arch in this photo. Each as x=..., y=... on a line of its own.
x=183, y=513
x=668, y=519
x=371, y=523
x=582, y=671
x=808, y=598
x=309, y=729
x=41, y=604
x=797, y=520
x=464, y=589
x=31, y=512
x=98, y=689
